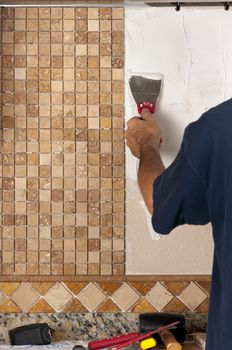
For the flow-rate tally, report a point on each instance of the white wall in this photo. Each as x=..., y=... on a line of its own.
x=192, y=48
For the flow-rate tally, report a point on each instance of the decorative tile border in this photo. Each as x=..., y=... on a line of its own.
x=105, y=296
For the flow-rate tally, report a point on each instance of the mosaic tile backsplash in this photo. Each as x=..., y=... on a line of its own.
x=62, y=148
x=62, y=194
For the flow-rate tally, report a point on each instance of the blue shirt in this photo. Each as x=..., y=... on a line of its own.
x=196, y=189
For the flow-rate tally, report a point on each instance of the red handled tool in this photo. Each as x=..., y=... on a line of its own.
x=144, y=336
x=105, y=343
x=121, y=341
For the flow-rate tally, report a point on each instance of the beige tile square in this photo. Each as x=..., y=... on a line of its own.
x=58, y=296
x=125, y=297
x=159, y=296
x=192, y=296
x=24, y=296
x=91, y=297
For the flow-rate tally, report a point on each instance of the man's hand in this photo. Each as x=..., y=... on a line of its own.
x=143, y=134
x=143, y=138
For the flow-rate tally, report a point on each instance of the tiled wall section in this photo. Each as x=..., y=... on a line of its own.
x=98, y=296
x=62, y=209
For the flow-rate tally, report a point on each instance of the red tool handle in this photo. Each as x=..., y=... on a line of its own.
x=105, y=343
x=144, y=336
x=146, y=105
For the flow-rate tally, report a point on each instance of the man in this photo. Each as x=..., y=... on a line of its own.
x=195, y=189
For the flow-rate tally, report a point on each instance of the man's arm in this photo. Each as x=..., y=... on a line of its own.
x=143, y=139
x=150, y=167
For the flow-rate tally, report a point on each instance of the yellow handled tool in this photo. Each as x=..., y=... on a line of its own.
x=148, y=344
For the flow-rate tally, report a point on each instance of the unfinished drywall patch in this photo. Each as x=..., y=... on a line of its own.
x=192, y=49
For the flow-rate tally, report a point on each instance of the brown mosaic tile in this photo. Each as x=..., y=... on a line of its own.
x=143, y=306
x=109, y=287
x=108, y=306
x=76, y=287
x=175, y=287
x=41, y=306
x=205, y=285
x=41, y=287
x=204, y=307
x=8, y=288
x=176, y=306
x=9, y=306
x=142, y=287
x=75, y=306
x=62, y=80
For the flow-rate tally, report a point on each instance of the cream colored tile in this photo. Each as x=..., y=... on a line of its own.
x=58, y=296
x=91, y=297
x=125, y=297
x=192, y=296
x=159, y=296
x=24, y=296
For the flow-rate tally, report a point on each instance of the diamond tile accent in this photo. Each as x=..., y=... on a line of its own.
x=143, y=306
x=125, y=297
x=41, y=306
x=58, y=296
x=9, y=306
x=192, y=296
x=24, y=296
x=159, y=296
x=9, y=287
x=91, y=297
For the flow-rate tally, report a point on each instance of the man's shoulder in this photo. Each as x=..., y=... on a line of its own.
x=216, y=118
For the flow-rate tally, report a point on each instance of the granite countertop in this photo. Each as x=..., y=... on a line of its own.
x=68, y=345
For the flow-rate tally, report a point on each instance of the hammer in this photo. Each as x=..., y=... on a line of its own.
x=170, y=341
x=171, y=338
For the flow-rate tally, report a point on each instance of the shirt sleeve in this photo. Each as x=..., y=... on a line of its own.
x=179, y=197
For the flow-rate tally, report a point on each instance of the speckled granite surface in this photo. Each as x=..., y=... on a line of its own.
x=88, y=325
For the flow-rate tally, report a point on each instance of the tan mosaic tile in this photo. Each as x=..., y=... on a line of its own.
x=63, y=170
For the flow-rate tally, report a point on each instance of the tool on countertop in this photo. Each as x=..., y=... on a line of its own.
x=146, y=91
x=105, y=343
x=170, y=341
x=149, y=321
x=121, y=341
x=144, y=336
x=148, y=344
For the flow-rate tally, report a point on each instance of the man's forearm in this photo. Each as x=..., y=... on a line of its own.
x=150, y=167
